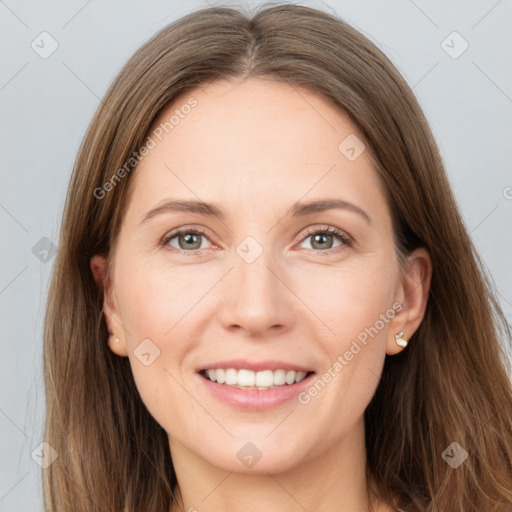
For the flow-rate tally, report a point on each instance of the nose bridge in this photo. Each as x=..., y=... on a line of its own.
x=256, y=299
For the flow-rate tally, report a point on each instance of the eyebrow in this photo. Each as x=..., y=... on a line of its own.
x=298, y=209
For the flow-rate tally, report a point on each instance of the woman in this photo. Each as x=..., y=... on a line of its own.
x=264, y=295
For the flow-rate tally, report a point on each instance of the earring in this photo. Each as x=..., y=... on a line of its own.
x=399, y=340
x=113, y=340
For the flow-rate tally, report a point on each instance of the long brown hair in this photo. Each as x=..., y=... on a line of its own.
x=449, y=385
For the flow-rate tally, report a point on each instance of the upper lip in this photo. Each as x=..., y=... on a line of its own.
x=255, y=366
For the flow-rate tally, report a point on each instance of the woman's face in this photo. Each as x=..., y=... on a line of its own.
x=248, y=285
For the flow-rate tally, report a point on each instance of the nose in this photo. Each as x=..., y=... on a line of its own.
x=257, y=298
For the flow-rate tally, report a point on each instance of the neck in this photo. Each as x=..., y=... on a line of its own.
x=334, y=481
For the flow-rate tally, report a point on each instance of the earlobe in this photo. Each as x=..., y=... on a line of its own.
x=117, y=346
x=399, y=339
x=116, y=340
x=413, y=294
x=396, y=342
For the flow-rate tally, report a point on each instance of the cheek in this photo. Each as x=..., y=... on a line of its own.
x=355, y=302
x=351, y=298
x=160, y=310
x=156, y=344
x=155, y=296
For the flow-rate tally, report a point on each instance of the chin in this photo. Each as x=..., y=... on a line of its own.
x=257, y=455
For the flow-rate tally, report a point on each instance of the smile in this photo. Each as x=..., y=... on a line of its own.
x=254, y=386
x=251, y=380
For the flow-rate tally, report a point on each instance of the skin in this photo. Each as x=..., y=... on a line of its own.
x=255, y=148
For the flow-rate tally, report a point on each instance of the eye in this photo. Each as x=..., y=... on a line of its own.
x=322, y=239
x=188, y=240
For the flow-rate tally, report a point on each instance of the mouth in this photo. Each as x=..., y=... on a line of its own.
x=246, y=379
x=251, y=386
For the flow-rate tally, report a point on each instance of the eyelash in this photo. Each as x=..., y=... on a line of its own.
x=345, y=239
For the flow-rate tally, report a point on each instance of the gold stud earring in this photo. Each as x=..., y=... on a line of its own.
x=400, y=341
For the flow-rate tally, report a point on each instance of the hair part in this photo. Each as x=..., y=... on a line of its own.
x=450, y=384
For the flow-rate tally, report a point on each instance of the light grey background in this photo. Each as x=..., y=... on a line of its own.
x=46, y=105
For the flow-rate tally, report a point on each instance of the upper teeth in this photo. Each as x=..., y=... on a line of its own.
x=247, y=379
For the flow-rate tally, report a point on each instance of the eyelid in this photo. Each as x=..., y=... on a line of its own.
x=343, y=236
x=184, y=229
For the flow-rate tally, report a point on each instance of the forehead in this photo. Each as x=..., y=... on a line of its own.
x=255, y=143
x=259, y=118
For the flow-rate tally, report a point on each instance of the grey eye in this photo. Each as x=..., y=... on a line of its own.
x=187, y=240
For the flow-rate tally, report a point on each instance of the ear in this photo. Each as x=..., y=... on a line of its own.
x=412, y=294
x=116, y=340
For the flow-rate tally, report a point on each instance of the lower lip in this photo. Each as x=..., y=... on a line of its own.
x=255, y=399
